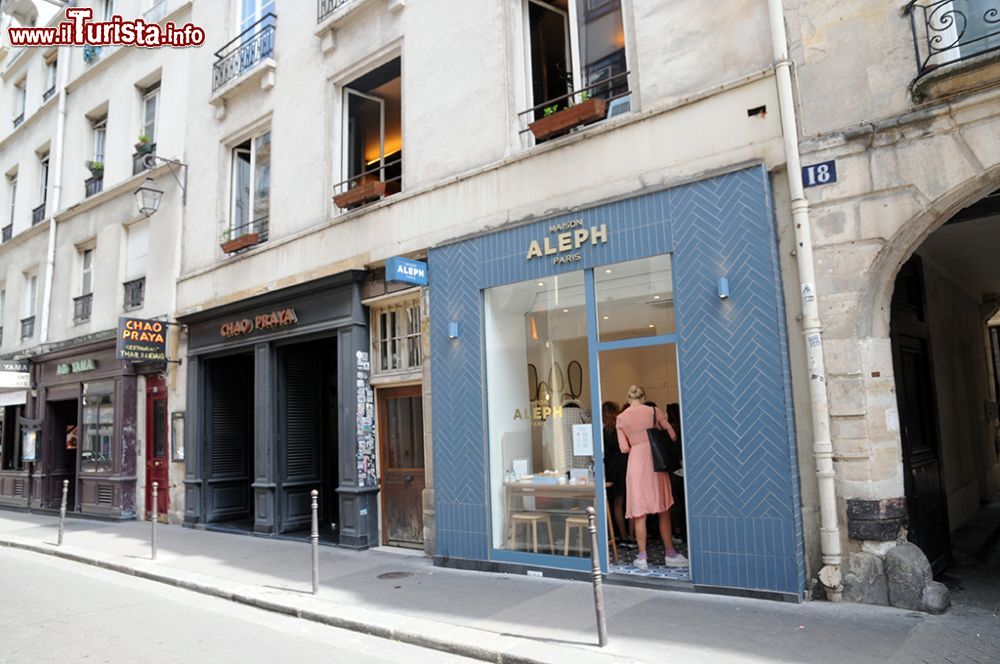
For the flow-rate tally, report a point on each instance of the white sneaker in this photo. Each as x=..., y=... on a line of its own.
x=640, y=563
x=676, y=560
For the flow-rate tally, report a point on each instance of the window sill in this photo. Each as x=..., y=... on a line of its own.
x=975, y=73
x=261, y=74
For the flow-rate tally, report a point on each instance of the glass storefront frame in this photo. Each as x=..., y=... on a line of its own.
x=594, y=348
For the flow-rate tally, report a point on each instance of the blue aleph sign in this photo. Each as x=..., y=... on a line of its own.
x=406, y=270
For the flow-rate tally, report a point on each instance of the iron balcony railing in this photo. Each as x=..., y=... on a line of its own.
x=156, y=12
x=244, y=52
x=38, y=214
x=81, y=307
x=139, y=160
x=252, y=233
x=949, y=31
x=378, y=173
x=7, y=233
x=609, y=88
x=48, y=93
x=1, y=335
x=326, y=7
x=93, y=185
x=18, y=120
x=27, y=327
x=135, y=293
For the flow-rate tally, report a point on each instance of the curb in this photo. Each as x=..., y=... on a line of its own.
x=514, y=652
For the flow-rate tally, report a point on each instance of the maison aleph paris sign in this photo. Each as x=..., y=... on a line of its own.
x=570, y=236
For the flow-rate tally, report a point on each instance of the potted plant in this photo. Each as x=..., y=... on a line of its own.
x=144, y=144
x=363, y=192
x=555, y=122
x=96, y=169
x=230, y=243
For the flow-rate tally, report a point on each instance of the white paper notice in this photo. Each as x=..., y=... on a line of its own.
x=583, y=440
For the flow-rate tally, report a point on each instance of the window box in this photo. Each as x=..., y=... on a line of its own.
x=240, y=242
x=363, y=193
x=562, y=121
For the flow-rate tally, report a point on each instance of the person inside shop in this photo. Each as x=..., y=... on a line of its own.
x=615, y=464
x=647, y=491
x=678, y=516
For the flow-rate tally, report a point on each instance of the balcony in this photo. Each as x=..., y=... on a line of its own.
x=81, y=308
x=139, y=159
x=956, y=39
x=135, y=293
x=38, y=214
x=371, y=185
x=326, y=7
x=18, y=120
x=8, y=233
x=243, y=237
x=561, y=115
x=27, y=328
x=48, y=94
x=245, y=52
x=93, y=185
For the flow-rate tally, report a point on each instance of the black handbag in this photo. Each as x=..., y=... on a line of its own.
x=666, y=457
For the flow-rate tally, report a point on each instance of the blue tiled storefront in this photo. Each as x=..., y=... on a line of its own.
x=743, y=502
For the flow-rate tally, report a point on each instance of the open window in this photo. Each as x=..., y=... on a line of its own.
x=576, y=59
x=251, y=194
x=373, y=141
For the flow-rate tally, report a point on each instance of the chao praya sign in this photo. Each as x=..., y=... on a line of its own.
x=141, y=340
x=268, y=321
x=570, y=236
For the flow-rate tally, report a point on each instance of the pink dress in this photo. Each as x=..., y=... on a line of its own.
x=647, y=491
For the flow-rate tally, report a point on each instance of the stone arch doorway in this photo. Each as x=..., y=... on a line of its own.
x=933, y=294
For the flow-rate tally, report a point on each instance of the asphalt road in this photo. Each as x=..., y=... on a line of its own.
x=53, y=610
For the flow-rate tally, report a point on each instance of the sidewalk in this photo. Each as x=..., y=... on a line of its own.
x=503, y=618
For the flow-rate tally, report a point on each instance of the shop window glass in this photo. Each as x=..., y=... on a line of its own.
x=10, y=443
x=96, y=454
x=538, y=386
x=635, y=299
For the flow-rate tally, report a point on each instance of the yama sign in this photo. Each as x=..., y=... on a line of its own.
x=15, y=374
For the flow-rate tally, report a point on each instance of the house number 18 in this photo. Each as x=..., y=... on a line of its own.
x=819, y=174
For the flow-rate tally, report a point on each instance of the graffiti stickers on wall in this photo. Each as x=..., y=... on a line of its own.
x=365, y=423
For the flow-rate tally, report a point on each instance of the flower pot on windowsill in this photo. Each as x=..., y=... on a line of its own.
x=562, y=121
x=240, y=242
x=363, y=193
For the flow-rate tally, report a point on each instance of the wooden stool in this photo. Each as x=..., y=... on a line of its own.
x=579, y=523
x=531, y=519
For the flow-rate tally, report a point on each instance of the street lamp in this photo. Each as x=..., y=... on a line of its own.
x=148, y=196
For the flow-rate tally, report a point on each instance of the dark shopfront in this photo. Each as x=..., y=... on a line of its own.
x=533, y=327
x=278, y=405
x=85, y=411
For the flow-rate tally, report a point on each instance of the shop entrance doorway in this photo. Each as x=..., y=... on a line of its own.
x=307, y=398
x=401, y=440
x=229, y=445
x=62, y=436
x=157, y=466
x=654, y=369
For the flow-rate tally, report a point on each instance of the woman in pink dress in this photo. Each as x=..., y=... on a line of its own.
x=647, y=491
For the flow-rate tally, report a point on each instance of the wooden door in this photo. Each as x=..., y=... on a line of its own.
x=157, y=463
x=401, y=438
x=925, y=496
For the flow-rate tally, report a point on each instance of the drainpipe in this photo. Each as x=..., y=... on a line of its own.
x=55, y=200
x=829, y=575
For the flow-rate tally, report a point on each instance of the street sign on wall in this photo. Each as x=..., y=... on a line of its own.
x=15, y=374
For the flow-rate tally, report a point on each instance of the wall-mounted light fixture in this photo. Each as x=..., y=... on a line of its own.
x=723, y=288
x=453, y=330
x=148, y=195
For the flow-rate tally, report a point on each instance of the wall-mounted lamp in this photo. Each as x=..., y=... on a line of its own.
x=723, y=288
x=453, y=330
x=149, y=195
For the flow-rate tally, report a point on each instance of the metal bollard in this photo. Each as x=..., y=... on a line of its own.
x=595, y=559
x=62, y=512
x=314, y=537
x=156, y=517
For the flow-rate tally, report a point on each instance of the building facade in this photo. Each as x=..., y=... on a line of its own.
x=89, y=127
